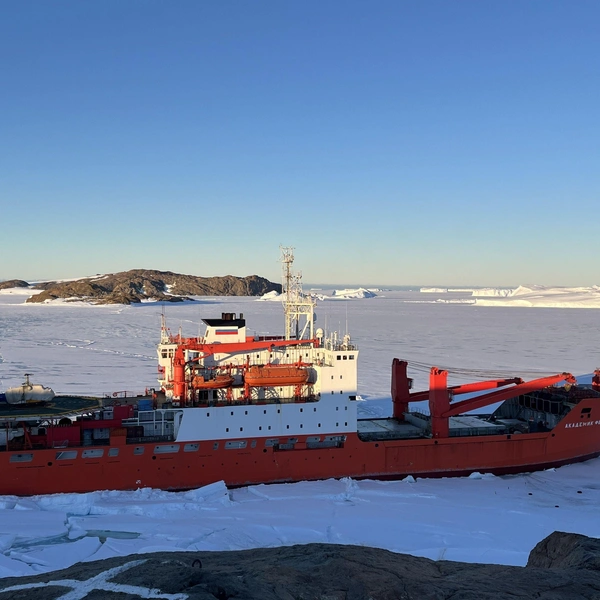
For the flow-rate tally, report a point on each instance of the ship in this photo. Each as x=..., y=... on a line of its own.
x=256, y=409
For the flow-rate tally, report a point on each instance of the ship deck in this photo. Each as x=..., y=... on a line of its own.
x=60, y=406
x=387, y=429
x=416, y=426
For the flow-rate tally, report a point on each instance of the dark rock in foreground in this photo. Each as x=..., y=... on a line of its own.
x=140, y=284
x=566, y=551
x=322, y=572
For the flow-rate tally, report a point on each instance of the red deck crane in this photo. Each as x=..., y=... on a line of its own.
x=440, y=395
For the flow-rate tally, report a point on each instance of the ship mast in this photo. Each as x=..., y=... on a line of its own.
x=295, y=303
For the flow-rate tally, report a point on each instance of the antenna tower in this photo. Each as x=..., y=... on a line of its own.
x=295, y=303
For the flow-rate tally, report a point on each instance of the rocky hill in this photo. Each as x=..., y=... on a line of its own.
x=140, y=284
x=563, y=566
x=13, y=283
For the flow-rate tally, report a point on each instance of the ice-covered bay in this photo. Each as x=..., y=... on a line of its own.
x=86, y=349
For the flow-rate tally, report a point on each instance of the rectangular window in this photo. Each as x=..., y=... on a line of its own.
x=138, y=450
x=93, y=453
x=166, y=449
x=113, y=452
x=191, y=447
x=235, y=445
x=27, y=457
x=66, y=455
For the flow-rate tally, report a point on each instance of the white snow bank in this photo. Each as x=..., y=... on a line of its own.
x=348, y=294
x=270, y=296
x=539, y=296
x=19, y=291
x=495, y=292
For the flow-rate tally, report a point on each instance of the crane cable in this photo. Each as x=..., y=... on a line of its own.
x=479, y=373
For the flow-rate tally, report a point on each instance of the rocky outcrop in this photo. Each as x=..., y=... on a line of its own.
x=139, y=284
x=313, y=572
x=13, y=283
x=566, y=551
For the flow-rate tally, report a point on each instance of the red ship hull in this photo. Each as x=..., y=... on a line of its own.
x=47, y=471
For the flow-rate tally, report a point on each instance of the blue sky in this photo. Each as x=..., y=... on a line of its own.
x=389, y=142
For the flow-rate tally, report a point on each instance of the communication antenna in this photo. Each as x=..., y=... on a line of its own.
x=295, y=303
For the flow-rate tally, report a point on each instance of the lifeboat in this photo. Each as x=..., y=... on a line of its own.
x=216, y=383
x=276, y=375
